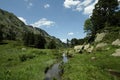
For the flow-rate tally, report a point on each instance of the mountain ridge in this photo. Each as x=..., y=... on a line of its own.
x=12, y=26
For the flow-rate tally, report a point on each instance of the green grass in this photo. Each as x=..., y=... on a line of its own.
x=82, y=67
x=30, y=64
x=32, y=68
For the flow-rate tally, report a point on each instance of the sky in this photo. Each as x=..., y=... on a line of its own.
x=63, y=19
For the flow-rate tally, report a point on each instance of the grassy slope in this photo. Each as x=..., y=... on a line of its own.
x=82, y=67
x=12, y=68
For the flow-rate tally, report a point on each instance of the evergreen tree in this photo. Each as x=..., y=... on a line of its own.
x=12, y=35
x=28, y=38
x=31, y=38
x=40, y=41
x=103, y=14
x=52, y=45
x=68, y=43
x=88, y=27
x=74, y=42
x=117, y=18
x=1, y=35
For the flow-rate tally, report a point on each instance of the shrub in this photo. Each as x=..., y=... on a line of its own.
x=24, y=57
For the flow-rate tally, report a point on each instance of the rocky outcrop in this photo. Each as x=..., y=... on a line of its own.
x=117, y=53
x=100, y=46
x=86, y=46
x=90, y=49
x=116, y=42
x=78, y=48
x=99, y=37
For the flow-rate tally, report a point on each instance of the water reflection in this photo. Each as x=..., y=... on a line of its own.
x=54, y=71
x=64, y=58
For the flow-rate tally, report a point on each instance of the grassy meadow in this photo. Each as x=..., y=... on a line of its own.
x=99, y=65
x=18, y=62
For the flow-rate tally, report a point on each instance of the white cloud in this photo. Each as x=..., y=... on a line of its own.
x=63, y=40
x=29, y=3
x=43, y=22
x=71, y=3
x=70, y=33
x=22, y=19
x=86, y=6
x=89, y=9
x=86, y=2
x=46, y=6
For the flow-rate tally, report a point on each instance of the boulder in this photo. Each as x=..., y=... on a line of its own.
x=93, y=58
x=116, y=42
x=23, y=49
x=99, y=37
x=86, y=46
x=89, y=50
x=101, y=45
x=78, y=48
x=117, y=53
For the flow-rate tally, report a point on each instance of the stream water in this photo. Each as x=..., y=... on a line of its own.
x=54, y=71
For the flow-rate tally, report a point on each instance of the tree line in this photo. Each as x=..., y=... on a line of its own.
x=75, y=41
x=106, y=15
x=38, y=41
x=30, y=39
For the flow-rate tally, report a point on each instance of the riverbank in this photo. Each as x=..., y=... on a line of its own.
x=99, y=65
x=18, y=62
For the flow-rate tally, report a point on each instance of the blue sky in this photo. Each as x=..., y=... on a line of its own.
x=63, y=19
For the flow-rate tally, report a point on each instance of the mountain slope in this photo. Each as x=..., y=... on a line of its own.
x=13, y=28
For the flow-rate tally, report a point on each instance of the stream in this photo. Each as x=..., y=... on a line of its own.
x=54, y=71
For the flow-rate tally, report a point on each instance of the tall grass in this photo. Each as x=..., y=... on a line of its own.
x=18, y=64
x=83, y=67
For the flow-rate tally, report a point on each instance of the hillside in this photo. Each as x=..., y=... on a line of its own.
x=14, y=29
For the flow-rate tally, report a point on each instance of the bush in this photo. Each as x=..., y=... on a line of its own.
x=37, y=52
x=24, y=57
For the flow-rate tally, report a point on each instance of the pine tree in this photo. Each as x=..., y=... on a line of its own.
x=26, y=39
x=74, y=42
x=68, y=43
x=103, y=14
x=40, y=41
x=52, y=45
x=88, y=27
x=1, y=35
x=31, y=38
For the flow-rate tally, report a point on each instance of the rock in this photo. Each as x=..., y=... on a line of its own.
x=117, y=53
x=23, y=49
x=89, y=50
x=116, y=42
x=93, y=58
x=108, y=48
x=100, y=37
x=86, y=46
x=78, y=48
x=101, y=45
